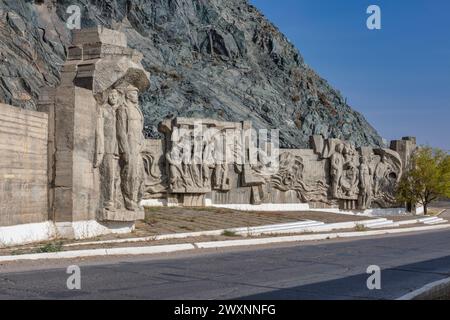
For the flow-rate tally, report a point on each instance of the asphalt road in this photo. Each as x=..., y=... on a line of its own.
x=328, y=270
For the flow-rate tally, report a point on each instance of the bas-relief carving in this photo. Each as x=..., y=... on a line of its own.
x=365, y=181
x=130, y=123
x=197, y=163
x=387, y=168
x=366, y=175
x=187, y=173
x=156, y=181
x=344, y=170
x=290, y=177
x=107, y=152
x=360, y=178
x=119, y=152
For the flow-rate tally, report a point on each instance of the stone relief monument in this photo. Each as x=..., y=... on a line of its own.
x=100, y=169
x=332, y=174
x=96, y=144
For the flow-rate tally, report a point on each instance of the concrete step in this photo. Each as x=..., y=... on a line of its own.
x=385, y=225
x=429, y=219
x=381, y=224
x=432, y=220
x=278, y=227
x=319, y=227
x=406, y=222
x=435, y=221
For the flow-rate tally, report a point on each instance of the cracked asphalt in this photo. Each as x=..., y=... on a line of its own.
x=324, y=270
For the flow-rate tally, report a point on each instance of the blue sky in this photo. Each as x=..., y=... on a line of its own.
x=398, y=77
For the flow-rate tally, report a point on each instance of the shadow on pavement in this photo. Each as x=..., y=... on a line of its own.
x=395, y=282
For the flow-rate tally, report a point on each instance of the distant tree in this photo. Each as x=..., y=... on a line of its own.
x=427, y=178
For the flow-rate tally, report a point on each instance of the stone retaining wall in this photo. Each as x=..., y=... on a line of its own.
x=23, y=166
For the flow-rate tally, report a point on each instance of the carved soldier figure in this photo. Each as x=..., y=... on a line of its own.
x=380, y=174
x=107, y=152
x=365, y=180
x=130, y=122
x=337, y=164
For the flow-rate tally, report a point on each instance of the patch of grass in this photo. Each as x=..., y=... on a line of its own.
x=202, y=209
x=229, y=233
x=50, y=247
x=17, y=252
x=152, y=209
x=150, y=221
x=360, y=227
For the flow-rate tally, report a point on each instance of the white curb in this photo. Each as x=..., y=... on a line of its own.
x=101, y=252
x=209, y=245
x=428, y=291
x=313, y=237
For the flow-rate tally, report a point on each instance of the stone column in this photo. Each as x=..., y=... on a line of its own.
x=98, y=61
x=405, y=149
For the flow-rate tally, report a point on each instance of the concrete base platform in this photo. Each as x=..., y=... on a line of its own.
x=26, y=233
x=265, y=207
x=35, y=232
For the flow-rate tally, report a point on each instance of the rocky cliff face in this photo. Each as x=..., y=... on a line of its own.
x=207, y=58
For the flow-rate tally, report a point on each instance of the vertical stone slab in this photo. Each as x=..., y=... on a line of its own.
x=23, y=166
x=85, y=177
x=405, y=149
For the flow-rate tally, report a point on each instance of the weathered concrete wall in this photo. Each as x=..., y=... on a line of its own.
x=23, y=166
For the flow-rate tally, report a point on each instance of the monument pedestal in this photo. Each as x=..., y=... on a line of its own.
x=121, y=215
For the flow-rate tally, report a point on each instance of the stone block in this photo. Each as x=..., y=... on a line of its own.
x=121, y=216
x=99, y=34
x=75, y=53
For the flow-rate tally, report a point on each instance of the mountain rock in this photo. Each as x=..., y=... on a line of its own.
x=207, y=58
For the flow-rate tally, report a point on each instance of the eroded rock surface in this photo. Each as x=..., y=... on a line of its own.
x=211, y=59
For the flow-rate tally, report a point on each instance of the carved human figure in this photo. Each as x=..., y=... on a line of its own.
x=176, y=159
x=365, y=180
x=130, y=122
x=213, y=160
x=380, y=174
x=107, y=152
x=349, y=183
x=337, y=164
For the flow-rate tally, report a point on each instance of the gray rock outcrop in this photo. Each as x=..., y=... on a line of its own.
x=212, y=59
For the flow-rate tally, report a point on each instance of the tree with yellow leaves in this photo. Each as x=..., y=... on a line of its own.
x=427, y=178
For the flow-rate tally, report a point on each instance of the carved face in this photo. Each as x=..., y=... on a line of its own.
x=133, y=96
x=113, y=97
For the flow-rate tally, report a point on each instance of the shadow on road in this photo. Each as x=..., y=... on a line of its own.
x=395, y=282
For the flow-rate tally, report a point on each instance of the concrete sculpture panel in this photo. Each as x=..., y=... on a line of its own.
x=333, y=173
